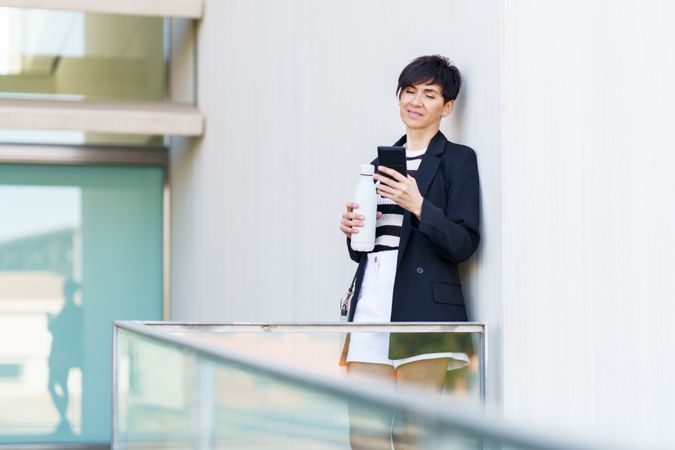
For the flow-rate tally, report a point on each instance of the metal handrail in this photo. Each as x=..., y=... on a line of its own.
x=478, y=328
x=327, y=327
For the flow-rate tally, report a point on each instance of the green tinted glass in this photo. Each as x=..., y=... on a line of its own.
x=79, y=248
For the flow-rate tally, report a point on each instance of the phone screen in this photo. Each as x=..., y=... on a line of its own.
x=393, y=158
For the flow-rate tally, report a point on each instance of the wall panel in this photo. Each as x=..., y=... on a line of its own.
x=587, y=208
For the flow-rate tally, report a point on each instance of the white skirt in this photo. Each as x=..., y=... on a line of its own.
x=374, y=306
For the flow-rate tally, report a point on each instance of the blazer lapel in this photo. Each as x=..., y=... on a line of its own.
x=425, y=174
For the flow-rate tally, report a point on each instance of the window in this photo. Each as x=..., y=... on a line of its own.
x=80, y=246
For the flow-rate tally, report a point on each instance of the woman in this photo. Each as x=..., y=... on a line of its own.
x=427, y=223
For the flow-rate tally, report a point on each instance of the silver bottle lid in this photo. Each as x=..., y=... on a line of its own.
x=367, y=169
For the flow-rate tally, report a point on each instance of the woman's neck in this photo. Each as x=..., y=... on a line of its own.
x=419, y=139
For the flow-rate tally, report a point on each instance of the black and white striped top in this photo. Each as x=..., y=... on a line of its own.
x=388, y=228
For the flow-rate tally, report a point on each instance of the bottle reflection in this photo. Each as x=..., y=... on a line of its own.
x=66, y=352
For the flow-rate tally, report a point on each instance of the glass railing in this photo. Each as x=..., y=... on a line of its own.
x=271, y=386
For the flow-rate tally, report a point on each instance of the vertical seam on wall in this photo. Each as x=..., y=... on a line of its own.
x=502, y=174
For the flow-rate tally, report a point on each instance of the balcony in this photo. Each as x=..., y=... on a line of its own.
x=281, y=386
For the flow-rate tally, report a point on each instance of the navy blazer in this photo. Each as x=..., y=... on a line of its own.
x=427, y=286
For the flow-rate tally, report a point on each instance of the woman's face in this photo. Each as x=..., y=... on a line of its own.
x=421, y=106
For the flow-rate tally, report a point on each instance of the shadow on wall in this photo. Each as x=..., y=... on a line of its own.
x=456, y=122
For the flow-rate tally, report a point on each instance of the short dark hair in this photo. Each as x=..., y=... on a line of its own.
x=431, y=69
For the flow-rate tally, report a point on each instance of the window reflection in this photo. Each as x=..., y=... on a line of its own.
x=66, y=353
x=41, y=327
x=34, y=39
x=48, y=53
x=80, y=246
x=75, y=56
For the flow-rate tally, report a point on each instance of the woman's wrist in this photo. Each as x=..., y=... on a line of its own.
x=418, y=210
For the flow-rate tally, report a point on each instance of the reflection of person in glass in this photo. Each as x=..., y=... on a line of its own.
x=66, y=352
x=427, y=223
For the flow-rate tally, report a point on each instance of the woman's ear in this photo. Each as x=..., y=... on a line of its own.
x=447, y=108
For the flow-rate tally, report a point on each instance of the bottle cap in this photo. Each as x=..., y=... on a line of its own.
x=367, y=169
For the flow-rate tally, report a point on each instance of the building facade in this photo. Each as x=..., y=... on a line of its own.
x=566, y=104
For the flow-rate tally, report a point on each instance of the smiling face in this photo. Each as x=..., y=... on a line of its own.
x=422, y=106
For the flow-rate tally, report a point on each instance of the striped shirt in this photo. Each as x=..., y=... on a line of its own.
x=388, y=228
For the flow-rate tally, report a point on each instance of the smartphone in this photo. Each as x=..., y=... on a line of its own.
x=394, y=158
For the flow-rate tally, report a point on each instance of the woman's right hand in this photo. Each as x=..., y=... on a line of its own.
x=351, y=221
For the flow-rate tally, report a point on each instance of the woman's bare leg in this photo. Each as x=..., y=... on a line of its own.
x=428, y=374
x=370, y=428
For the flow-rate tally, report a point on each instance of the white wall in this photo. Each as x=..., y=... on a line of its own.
x=588, y=211
x=297, y=94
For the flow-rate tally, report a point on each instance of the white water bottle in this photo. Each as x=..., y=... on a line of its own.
x=366, y=198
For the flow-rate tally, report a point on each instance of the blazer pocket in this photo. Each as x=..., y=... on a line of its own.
x=447, y=294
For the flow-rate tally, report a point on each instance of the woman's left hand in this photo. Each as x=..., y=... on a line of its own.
x=402, y=190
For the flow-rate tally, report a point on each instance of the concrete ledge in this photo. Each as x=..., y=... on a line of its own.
x=163, y=8
x=173, y=119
